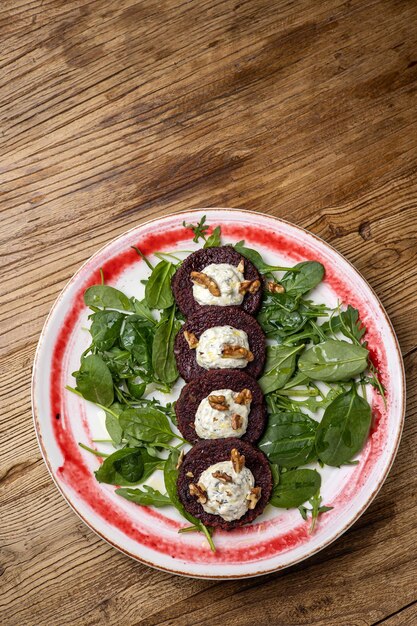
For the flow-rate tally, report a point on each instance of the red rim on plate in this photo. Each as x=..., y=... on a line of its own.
x=278, y=538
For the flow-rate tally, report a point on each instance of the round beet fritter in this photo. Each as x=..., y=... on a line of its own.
x=199, y=388
x=208, y=317
x=208, y=452
x=182, y=286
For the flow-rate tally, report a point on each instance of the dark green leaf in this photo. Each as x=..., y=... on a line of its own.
x=128, y=460
x=107, y=297
x=158, y=293
x=146, y=424
x=145, y=497
x=333, y=361
x=280, y=366
x=310, y=274
x=289, y=439
x=112, y=423
x=295, y=487
x=214, y=239
x=344, y=428
x=142, y=310
x=163, y=358
x=257, y=260
x=137, y=337
x=170, y=478
x=105, y=328
x=347, y=323
x=199, y=230
x=94, y=380
x=136, y=390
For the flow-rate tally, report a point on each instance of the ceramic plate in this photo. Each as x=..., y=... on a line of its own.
x=278, y=538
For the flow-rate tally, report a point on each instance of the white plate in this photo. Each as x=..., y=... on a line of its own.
x=278, y=538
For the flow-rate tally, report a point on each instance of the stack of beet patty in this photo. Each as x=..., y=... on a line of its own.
x=220, y=351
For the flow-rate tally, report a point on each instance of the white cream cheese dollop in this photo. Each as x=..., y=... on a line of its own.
x=211, y=344
x=214, y=424
x=228, y=279
x=227, y=499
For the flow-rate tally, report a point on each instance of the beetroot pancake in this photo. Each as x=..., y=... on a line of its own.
x=182, y=285
x=210, y=452
x=198, y=389
x=215, y=317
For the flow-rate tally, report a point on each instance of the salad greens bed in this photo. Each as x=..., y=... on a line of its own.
x=313, y=366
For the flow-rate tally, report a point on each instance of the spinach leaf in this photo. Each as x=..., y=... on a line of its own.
x=344, y=428
x=348, y=323
x=280, y=366
x=105, y=328
x=112, y=423
x=94, y=380
x=146, y=424
x=289, y=439
x=158, y=292
x=146, y=496
x=254, y=256
x=123, y=467
x=137, y=337
x=151, y=463
x=142, y=310
x=107, y=297
x=163, y=359
x=309, y=275
x=295, y=487
x=333, y=361
x=136, y=390
x=214, y=239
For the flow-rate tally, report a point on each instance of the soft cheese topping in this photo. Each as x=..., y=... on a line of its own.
x=228, y=279
x=211, y=423
x=211, y=343
x=229, y=499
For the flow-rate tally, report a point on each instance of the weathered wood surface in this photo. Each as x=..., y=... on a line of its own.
x=115, y=111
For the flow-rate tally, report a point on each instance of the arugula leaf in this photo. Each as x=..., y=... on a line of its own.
x=158, y=293
x=254, y=256
x=163, y=358
x=146, y=424
x=280, y=366
x=105, y=328
x=123, y=467
x=94, y=380
x=199, y=230
x=348, y=323
x=309, y=275
x=170, y=478
x=107, y=297
x=295, y=487
x=289, y=439
x=344, y=428
x=333, y=361
x=214, y=239
x=145, y=497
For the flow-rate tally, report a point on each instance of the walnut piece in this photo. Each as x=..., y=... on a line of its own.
x=223, y=477
x=241, y=266
x=207, y=282
x=238, y=460
x=236, y=421
x=275, y=287
x=251, y=286
x=191, y=339
x=199, y=492
x=218, y=402
x=236, y=352
x=190, y=475
x=244, y=397
x=254, y=496
x=180, y=460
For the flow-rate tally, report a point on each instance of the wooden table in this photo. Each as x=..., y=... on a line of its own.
x=113, y=112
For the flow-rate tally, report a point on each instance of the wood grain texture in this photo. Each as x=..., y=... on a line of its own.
x=112, y=112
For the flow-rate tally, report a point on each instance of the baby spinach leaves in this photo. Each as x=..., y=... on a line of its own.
x=289, y=439
x=280, y=366
x=107, y=297
x=105, y=328
x=94, y=380
x=333, y=361
x=158, y=294
x=344, y=428
x=254, y=256
x=145, y=425
x=163, y=359
x=123, y=467
x=295, y=487
x=145, y=497
x=308, y=276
